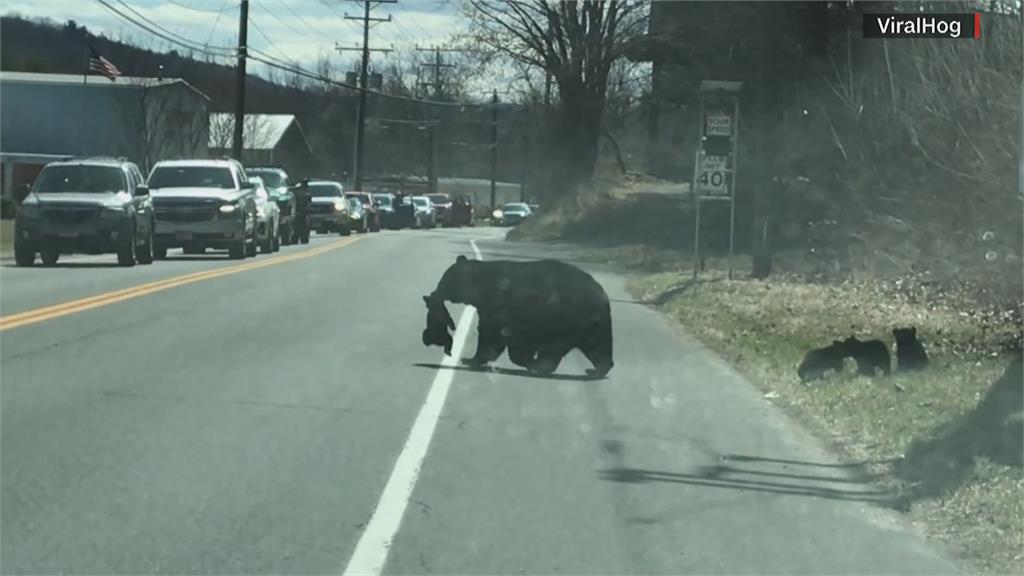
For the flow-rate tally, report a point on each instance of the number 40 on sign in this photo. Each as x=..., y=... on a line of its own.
x=712, y=179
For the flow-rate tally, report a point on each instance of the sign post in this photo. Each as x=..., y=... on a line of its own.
x=714, y=173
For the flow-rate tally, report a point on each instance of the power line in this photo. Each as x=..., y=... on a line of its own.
x=301, y=19
x=270, y=42
x=206, y=50
x=180, y=38
x=183, y=30
x=331, y=7
x=274, y=63
x=275, y=17
x=414, y=21
x=223, y=7
x=194, y=9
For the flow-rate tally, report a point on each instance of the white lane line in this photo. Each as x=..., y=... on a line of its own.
x=372, y=549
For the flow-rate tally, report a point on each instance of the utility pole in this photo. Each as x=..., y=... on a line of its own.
x=494, y=146
x=243, y=34
x=357, y=169
x=437, y=65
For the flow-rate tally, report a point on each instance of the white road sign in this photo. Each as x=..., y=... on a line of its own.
x=718, y=125
x=712, y=179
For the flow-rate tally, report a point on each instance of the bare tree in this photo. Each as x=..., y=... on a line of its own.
x=163, y=119
x=222, y=129
x=575, y=42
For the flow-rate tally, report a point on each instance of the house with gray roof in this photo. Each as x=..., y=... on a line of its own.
x=267, y=140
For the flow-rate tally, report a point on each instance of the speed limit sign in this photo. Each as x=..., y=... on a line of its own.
x=712, y=179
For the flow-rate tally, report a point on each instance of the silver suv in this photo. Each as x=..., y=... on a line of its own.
x=90, y=205
x=203, y=204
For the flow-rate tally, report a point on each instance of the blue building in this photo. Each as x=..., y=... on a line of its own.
x=45, y=117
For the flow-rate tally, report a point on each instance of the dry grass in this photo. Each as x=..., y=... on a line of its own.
x=764, y=328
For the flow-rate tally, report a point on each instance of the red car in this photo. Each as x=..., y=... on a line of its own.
x=366, y=199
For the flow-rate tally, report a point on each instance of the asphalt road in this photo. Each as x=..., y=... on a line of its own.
x=280, y=416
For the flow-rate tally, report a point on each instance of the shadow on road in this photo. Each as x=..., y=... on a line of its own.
x=780, y=481
x=59, y=265
x=212, y=257
x=853, y=465
x=519, y=372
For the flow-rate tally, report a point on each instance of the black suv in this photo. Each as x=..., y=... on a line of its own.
x=89, y=205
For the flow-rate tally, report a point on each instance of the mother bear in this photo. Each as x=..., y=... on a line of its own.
x=539, y=310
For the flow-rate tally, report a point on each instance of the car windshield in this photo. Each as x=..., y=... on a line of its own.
x=272, y=178
x=80, y=178
x=191, y=177
x=323, y=190
x=739, y=287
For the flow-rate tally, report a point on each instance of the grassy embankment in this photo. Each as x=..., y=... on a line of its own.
x=947, y=441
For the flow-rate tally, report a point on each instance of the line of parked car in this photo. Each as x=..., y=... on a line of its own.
x=105, y=205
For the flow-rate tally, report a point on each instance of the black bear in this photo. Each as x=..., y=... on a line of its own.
x=538, y=310
x=871, y=355
x=439, y=321
x=910, y=354
x=821, y=360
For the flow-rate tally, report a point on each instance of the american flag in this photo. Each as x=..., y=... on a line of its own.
x=101, y=65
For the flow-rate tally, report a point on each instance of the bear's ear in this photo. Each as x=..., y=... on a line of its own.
x=461, y=258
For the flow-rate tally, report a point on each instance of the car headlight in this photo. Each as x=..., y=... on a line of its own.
x=260, y=212
x=228, y=208
x=498, y=214
x=112, y=212
x=339, y=206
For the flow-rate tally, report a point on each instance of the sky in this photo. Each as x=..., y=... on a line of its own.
x=293, y=30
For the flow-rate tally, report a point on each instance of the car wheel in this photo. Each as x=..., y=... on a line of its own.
x=237, y=250
x=275, y=245
x=24, y=255
x=145, y=252
x=286, y=235
x=267, y=245
x=159, y=252
x=49, y=256
x=304, y=239
x=344, y=230
x=126, y=252
x=194, y=250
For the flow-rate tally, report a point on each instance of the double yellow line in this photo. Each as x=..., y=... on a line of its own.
x=83, y=304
